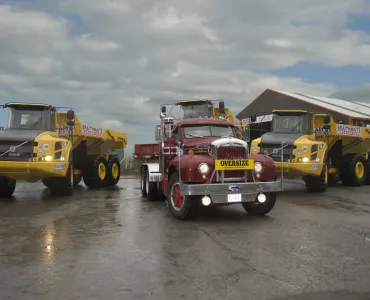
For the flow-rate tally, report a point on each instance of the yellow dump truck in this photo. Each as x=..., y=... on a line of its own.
x=43, y=142
x=317, y=149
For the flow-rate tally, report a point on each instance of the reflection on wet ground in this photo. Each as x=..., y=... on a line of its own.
x=113, y=244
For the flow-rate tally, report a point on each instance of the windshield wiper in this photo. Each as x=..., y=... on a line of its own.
x=194, y=135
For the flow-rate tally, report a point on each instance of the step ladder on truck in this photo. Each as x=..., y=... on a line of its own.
x=47, y=143
x=317, y=149
x=203, y=162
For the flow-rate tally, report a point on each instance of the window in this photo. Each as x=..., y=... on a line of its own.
x=208, y=130
x=34, y=118
x=290, y=123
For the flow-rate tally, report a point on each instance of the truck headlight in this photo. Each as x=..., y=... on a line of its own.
x=203, y=168
x=258, y=167
x=48, y=158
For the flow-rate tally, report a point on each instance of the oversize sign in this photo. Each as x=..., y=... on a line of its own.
x=234, y=164
x=348, y=130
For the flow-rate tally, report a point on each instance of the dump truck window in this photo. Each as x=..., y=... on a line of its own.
x=290, y=123
x=29, y=119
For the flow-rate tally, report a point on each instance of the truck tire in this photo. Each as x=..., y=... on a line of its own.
x=61, y=186
x=7, y=187
x=316, y=184
x=151, y=188
x=183, y=207
x=368, y=170
x=143, y=181
x=113, y=171
x=260, y=209
x=353, y=170
x=95, y=172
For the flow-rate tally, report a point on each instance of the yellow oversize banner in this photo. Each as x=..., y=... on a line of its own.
x=234, y=164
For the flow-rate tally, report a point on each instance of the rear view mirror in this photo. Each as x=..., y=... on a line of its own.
x=247, y=133
x=158, y=133
x=70, y=114
x=327, y=119
x=253, y=118
x=222, y=107
x=163, y=109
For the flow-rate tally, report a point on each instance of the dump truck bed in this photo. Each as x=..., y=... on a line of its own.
x=106, y=140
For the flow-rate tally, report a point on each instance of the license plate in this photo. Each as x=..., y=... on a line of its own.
x=234, y=164
x=234, y=198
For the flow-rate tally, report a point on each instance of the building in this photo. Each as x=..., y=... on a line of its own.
x=348, y=112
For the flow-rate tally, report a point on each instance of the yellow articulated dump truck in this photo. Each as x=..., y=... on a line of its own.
x=317, y=149
x=43, y=142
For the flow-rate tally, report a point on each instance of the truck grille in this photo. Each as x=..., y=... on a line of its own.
x=287, y=151
x=21, y=153
x=235, y=152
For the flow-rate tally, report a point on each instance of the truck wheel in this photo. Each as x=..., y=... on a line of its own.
x=95, y=172
x=113, y=171
x=7, y=187
x=316, y=184
x=181, y=207
x=143, y=181
x=353, y=170
x=260, y=209
x=61, y=186
x=151, y=188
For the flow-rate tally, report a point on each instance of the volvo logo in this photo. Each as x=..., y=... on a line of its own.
x=12, y=149
x=275, y=151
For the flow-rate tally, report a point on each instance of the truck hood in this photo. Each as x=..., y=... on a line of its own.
x=19, y=134
x=275, y=138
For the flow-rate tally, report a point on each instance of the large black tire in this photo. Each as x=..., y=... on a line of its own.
x=190, y=206
x=113, y=171
x=260, y=209
x=93, y=178
x=316, y=184
x=353, y=170
x=151, y=188
x=61, y=186
x=7, y=187
x=368, y=170
x=143, y=181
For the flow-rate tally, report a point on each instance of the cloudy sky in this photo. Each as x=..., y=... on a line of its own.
x=115, y=61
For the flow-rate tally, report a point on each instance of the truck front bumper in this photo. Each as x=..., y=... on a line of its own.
x=223, y=193
x=32, y=171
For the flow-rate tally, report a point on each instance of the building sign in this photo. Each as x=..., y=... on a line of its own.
x=93, y=131
x=348, y=130
x=260, y=119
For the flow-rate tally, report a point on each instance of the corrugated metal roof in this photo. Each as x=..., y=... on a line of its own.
x=353, y=109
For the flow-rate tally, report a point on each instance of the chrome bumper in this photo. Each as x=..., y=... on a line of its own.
x=219, y=192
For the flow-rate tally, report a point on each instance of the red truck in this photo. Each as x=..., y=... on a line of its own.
x=201, y=162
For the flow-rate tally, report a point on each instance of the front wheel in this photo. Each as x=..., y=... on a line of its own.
x=260, y=209
x=181, y=207
x=7, y=187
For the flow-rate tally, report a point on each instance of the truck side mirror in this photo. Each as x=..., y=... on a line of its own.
x=163, y=109
x=253, y=118
x=70, y=114
x=222, y=107
x=158, y=133
x=327, y=119
x=247, y=133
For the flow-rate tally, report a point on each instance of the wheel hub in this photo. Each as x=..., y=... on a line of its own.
x=359, y=169
x=177, y=199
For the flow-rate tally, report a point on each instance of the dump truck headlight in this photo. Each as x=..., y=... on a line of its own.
x=203, y=168
x=305, y=159
x=258, y=167
x=48, y=158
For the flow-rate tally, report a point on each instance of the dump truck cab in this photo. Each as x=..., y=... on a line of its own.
x=316, y=148
x=203, y=162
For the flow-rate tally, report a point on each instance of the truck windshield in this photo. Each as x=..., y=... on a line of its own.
x=31, y=118
x=290, y=123
x=207, y=130
x=196, y=110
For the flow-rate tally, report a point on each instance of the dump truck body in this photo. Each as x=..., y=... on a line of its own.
x=41, y=143
x=317, y=149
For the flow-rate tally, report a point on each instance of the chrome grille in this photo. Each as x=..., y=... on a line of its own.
x=232, y=152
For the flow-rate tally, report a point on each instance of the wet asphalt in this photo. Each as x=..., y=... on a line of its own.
x=113, y=244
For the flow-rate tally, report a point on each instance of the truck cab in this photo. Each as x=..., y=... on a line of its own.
x=202, y=161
